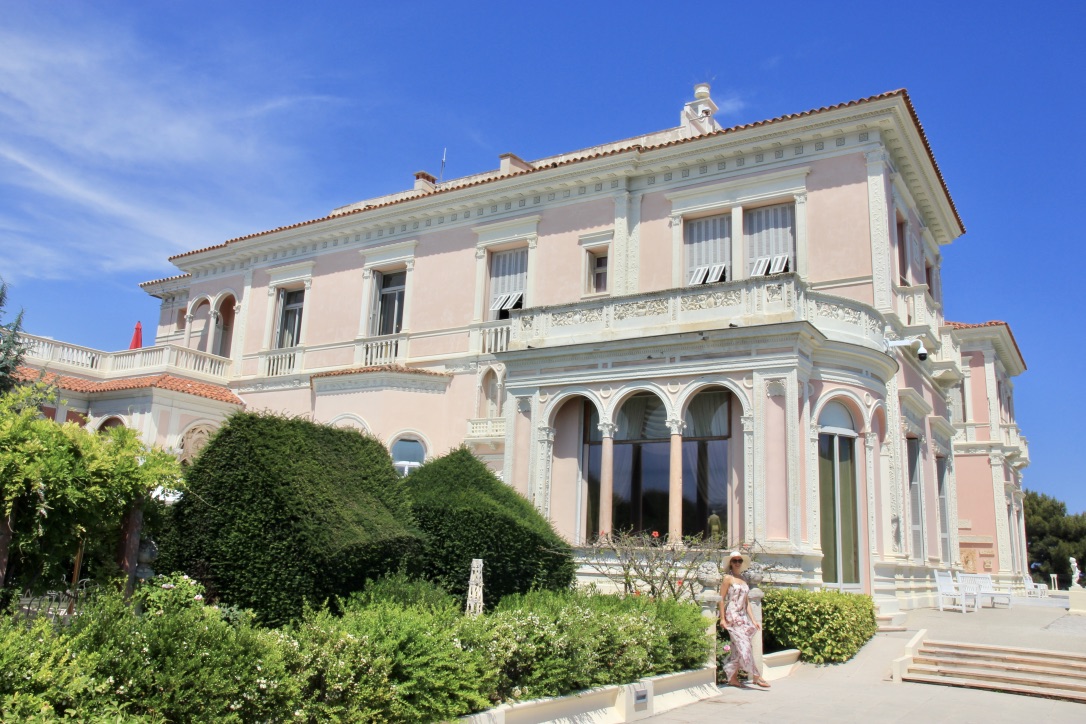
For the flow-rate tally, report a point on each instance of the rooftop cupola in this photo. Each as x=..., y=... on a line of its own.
x=697, y=116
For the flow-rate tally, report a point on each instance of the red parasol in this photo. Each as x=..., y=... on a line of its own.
x=137, y=337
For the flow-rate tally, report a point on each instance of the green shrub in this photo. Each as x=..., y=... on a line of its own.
x=553, y=643
x=182, y=662
x=402, y=590
x=279, y=512
x=825, y=626
x=385, y=663
x=466, y=513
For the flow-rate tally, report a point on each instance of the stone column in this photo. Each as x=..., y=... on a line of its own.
x=215, y=320
x=880, y=228
x=755, y=597
x=543, y=471
x=607, y=478
x=675, y=484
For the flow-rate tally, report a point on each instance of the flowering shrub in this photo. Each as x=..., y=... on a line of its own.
x=826, y=626
x=384, y=659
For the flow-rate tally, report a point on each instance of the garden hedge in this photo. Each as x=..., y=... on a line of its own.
x=466, y=513
x=825, y=626
x=281, y=511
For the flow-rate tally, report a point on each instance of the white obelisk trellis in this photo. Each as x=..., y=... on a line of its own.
x=475, y=588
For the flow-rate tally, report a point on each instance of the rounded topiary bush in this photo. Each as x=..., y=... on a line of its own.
x=466, y=513
x=825, y=626
x=281, y=511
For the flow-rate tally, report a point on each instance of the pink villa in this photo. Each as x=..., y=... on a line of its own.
x=696, y=327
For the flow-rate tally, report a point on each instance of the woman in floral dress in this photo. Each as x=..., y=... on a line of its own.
x=736, y=616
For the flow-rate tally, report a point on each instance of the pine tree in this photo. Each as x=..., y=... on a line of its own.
x=12, y=345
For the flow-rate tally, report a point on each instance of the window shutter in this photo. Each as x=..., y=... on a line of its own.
x=375, y=304
x=708, y=243
x=770, y=232
x=508, y=274
x=280, y=303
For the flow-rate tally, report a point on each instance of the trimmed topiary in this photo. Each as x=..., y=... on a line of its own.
x=281, y=511
x=466, y=512
x=826, y=626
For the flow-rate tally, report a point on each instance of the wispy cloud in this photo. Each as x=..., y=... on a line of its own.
x=112, y=157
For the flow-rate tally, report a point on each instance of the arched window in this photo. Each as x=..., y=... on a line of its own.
x=838, y=498
x=407, y=454
x=110, y=422
x=642, y=465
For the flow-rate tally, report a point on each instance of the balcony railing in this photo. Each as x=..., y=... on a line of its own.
x=486, y=428
x=63, y=357
x=490, y=337
x=278, y=362
x=387, y=350
x=760, y=300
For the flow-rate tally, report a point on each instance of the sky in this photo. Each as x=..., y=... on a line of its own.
x=133, y=131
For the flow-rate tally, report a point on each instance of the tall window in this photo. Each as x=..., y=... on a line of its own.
x=708, y=249
x=642, y=465
x=770, y=233
x=944, y=511
x=290, y=318
x=508, y=279
x=837, y=496
x=916, y=507
x=390, y=299
x=597, y=270
x=407, y=455
x=903, y=253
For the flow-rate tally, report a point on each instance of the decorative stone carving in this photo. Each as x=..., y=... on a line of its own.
x=646, y=308
x=580, y=316
x=776, y=388
x=676, y=426
x=713, y=300
x=774, y=292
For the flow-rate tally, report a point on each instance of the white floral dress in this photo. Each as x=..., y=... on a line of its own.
x=741, y=629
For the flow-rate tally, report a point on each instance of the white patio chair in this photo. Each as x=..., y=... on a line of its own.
x=1033, y=589
x=965, y=593
x=986, y=588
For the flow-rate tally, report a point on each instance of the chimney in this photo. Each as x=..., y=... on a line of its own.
x=697, y=116
x=511, y=162
x=425, y=181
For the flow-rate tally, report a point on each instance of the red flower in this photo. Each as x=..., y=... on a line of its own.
x=680, y=581
x=656, y=534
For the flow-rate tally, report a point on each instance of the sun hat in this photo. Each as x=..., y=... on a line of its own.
x=739, y=554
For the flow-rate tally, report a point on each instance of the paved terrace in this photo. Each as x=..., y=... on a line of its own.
x=862, y=691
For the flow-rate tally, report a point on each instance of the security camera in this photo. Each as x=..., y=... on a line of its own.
x=921, y=351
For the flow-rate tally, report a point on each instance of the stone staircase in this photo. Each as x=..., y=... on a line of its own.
x=1033, y=672
x=888, y=614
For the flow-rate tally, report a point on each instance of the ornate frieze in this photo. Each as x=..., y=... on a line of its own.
x=579, y=316
x=712, y=300
x=644, y=308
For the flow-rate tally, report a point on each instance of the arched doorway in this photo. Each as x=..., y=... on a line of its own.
x=706, y=437
x=110, y=422
x=225, y=323
x=838, y=497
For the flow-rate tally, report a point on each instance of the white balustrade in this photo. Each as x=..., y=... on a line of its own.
x=282, y=362
x=382, y=350
x=127, y=363
x=486, y=428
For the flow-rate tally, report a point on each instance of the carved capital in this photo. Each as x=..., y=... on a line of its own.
x=676, y=426
x=546, y=435
x=607, y=429
x=272, y=291
x=878, y=156
x=869, y=440
x=533, y=239
x=189, y=317
x=308, y=284
x=801, y=197
x=748, y=423
x=480, y=253
x=675, y=220
x=409, y=265
x=367, y=273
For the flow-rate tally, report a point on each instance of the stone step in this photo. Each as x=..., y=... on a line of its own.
x=1002, y=677
x=1012, y=688
x=1030, y=667
x=1064, y=666
x=1005, y=651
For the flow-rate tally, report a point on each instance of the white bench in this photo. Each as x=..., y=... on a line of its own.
x=1034, y=590
x=965, y=594
x=986, y=589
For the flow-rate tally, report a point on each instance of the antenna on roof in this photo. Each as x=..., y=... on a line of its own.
x=441, y=175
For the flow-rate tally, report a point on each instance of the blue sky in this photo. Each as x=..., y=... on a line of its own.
x=133, y=131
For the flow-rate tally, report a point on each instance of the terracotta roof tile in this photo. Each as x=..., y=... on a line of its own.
x=165, y=279
x=536, y=167
x=993, y=323
x=400, y=369
x=162, y=382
